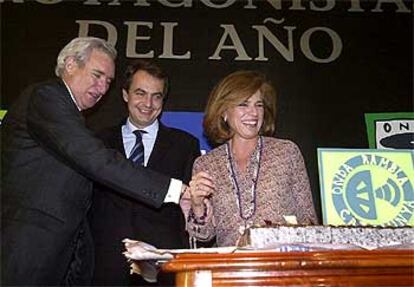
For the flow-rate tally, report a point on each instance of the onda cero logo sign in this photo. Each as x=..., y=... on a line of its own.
x=371, y=188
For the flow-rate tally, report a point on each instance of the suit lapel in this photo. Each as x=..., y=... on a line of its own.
x=113, y=139
x=118, y=141
x=161, y=146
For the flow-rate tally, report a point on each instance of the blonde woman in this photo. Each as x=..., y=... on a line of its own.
x=253, y=177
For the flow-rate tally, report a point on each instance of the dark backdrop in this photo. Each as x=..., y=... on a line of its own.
x=322, y=96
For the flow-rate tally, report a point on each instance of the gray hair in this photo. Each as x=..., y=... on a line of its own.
x=80, y=48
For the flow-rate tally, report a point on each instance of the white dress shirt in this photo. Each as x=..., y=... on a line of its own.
x=148, y=140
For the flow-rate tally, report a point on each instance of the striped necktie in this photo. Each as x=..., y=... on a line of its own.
x=137, y=152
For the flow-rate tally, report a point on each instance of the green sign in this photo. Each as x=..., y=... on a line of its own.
x=390, y=130
x=367, y=187
x=2, y=113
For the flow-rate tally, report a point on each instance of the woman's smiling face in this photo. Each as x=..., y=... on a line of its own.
x=246, y=119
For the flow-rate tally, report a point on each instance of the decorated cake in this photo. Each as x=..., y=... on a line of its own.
x=362, y=237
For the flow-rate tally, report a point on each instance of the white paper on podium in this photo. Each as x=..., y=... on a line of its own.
x=138, y=250
x=145, y=258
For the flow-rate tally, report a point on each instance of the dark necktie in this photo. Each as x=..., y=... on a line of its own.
x=137, y=152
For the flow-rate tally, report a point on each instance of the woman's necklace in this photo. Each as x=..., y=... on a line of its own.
x=252, y=208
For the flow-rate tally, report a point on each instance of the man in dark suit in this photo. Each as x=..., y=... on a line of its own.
x=114, y=217
x=49, y=162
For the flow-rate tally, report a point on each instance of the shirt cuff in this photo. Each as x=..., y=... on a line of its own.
x=174, y=191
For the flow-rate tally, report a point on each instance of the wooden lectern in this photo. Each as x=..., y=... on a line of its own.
x=321, y=268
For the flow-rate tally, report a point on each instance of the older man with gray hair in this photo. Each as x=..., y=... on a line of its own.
x=50, y=160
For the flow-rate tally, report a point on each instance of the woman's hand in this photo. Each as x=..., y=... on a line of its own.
x=201, y=187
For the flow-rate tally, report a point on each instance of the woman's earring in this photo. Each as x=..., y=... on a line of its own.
x=225, y=118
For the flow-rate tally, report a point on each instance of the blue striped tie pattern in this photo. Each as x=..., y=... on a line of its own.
x=137, y=152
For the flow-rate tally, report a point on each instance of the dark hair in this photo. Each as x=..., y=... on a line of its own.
x=150, y=67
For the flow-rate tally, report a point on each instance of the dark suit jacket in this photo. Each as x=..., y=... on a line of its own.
x=114, y=217
x=49, y=161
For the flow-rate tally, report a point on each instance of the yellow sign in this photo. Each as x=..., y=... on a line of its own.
x=367, y=187
x=2, y=113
